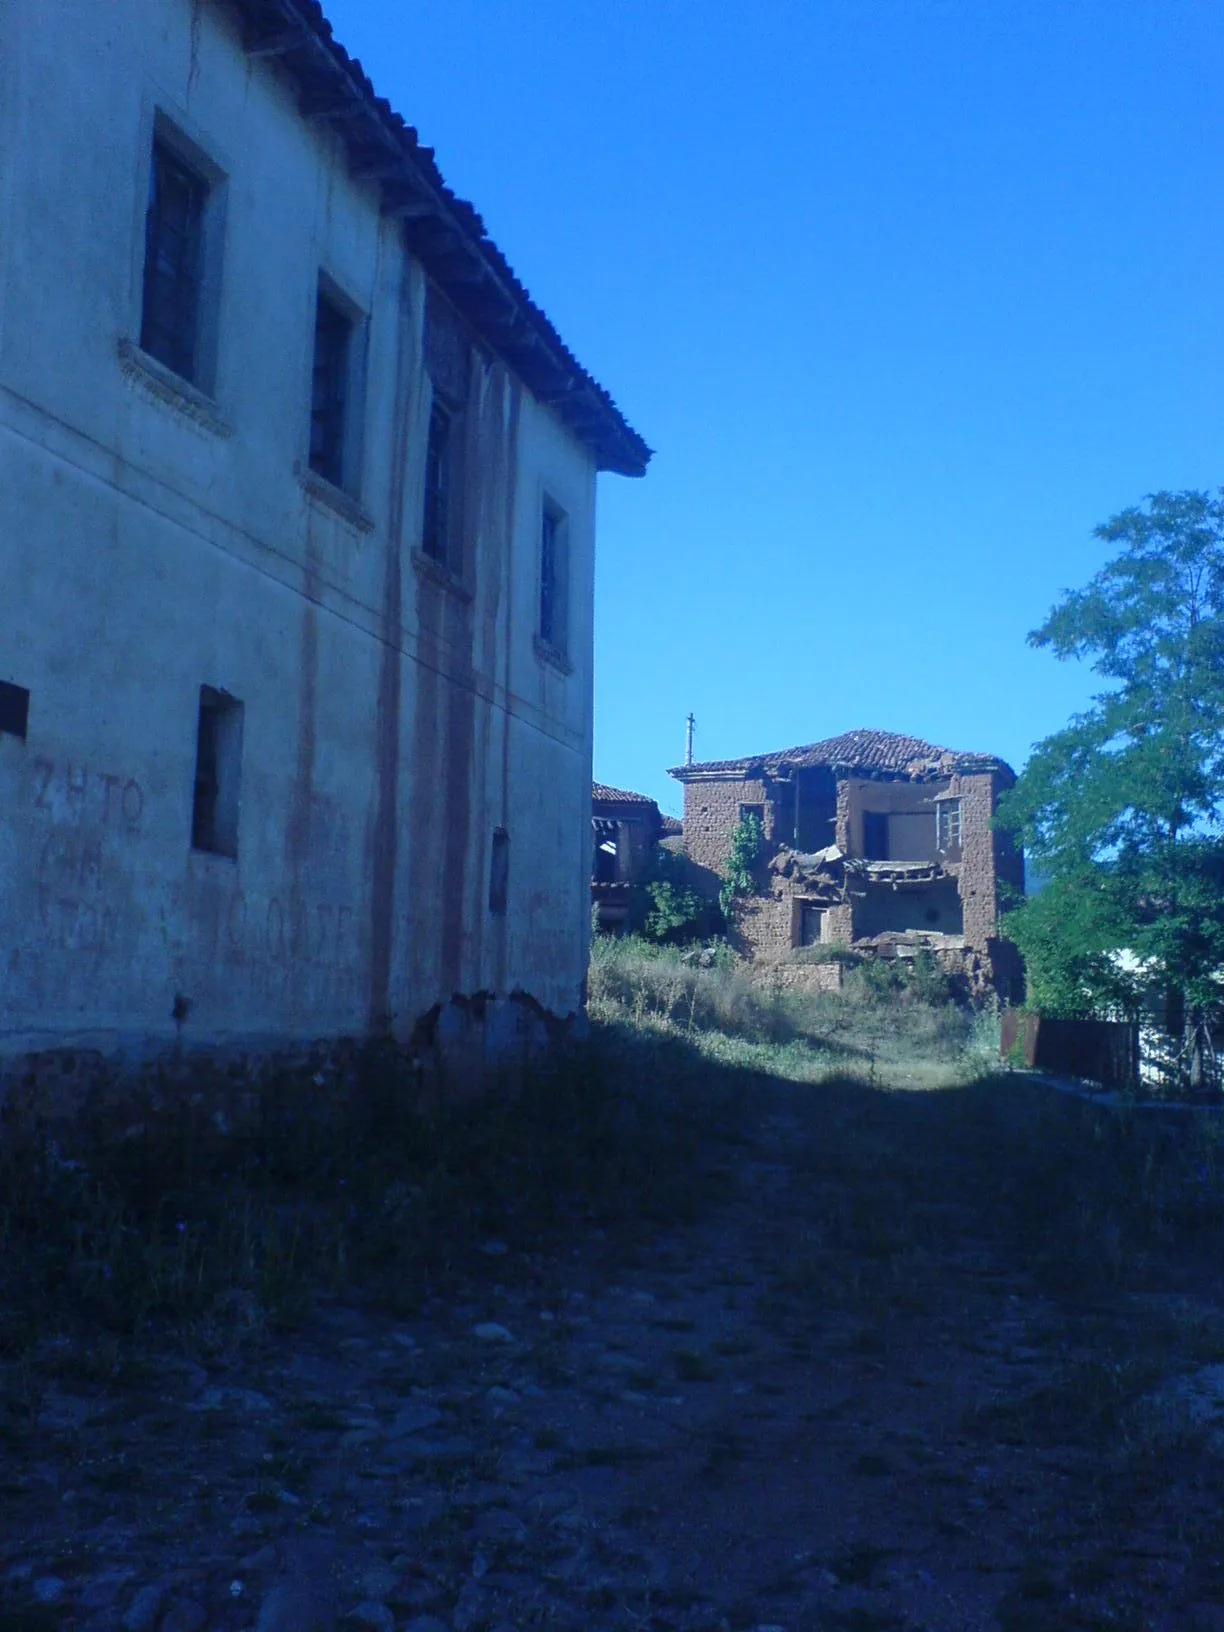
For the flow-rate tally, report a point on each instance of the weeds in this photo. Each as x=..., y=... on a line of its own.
x=226, y=1224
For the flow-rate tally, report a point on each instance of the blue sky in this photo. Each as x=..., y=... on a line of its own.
x=907, y=294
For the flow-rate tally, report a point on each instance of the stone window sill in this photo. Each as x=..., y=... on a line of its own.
x=552, y=656
x=322, y=492
x=169, y=389
x=437, y=572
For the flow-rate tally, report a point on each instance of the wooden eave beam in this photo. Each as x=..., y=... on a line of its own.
x=280, y=42
x=330, y=109
x=408, y=207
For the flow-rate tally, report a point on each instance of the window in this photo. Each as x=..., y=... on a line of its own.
x=14, y=710
x=329, y=390
x=174, y=246
x=435, y=527
x=948, y=825
x=218, y=771
x=607, y=851
x=875, y=835
x=757, y=812
x=811, y=925
x=554, y=579
x=499, y=872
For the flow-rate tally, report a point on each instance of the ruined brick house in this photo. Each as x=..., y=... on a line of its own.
x=872, y=840
x=626, y=828
x=297, y=519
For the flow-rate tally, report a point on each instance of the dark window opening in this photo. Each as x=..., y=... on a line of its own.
x=329, y=390
x=554, y=579
x=214, y=814
x=757, y=812
x=14, y=710
x=435, y=527
x=171, y=310
x=875, y=835
x=499, y=872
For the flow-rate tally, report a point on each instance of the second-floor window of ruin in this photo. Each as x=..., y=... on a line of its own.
x=174, y=224
x=875, y=835
x=554, y=578
x=948, y=824
x=329, y=390
x=435, y=526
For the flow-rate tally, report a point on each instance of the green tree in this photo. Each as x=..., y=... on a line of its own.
x=738, y=878
x=1124, y=807
x=677, y=912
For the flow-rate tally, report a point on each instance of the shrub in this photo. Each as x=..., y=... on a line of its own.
x=677, y=913
x=747, y=843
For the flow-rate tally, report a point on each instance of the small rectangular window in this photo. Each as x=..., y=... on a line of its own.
x=435, y=526
x=170, y=315
x=554, y=578
x=218, y=773
x=948, y=824
x=499, y=872
x=329, y=390
x=757, y=811
x=14, y=710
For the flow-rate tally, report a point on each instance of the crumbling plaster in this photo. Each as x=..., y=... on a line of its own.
x=392, y=718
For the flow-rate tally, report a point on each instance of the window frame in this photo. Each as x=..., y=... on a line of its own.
x=438, y=529
x=342, y=473
x=553, y=600
x=946, y=808
x=499, y=873
x=165, y=134
x=218, y=772
x=14, y=710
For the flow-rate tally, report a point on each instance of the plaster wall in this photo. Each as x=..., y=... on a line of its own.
x=156, y=541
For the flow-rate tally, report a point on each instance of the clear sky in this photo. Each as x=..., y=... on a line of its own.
x=907, y=294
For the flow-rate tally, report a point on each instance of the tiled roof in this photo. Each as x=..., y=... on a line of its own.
x=618, y=796
x=444, y=232
x=673, y=827
x=879, y=753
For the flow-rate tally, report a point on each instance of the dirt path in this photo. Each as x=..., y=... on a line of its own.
x=880, y=1385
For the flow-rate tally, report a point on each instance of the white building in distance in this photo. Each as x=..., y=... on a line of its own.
x=297, y=511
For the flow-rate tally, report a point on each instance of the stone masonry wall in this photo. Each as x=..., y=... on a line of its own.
x=711, y=814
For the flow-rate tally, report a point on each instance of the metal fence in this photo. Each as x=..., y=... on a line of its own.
x=1104, y=1051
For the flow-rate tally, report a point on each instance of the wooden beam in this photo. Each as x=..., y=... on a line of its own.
x=279, y=43
x=383, y=166
x=330, y=109
x=408, y=206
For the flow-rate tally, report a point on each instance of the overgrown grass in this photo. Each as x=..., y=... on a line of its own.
x=224, y=1224
x=890, y=1023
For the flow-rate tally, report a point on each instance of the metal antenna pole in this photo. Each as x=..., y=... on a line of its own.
x=688, y=752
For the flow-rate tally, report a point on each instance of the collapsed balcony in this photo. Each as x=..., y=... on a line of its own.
x=846, y=898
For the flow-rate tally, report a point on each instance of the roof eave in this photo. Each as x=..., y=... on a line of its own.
x=442, y=231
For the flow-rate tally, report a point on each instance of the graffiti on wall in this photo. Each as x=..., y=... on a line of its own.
x=95, y=899
x=77, y=902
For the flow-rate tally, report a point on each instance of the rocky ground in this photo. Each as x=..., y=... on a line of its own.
x=905, y=1373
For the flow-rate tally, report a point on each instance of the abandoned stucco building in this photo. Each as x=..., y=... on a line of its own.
x=872, y=840
x=298, y=528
